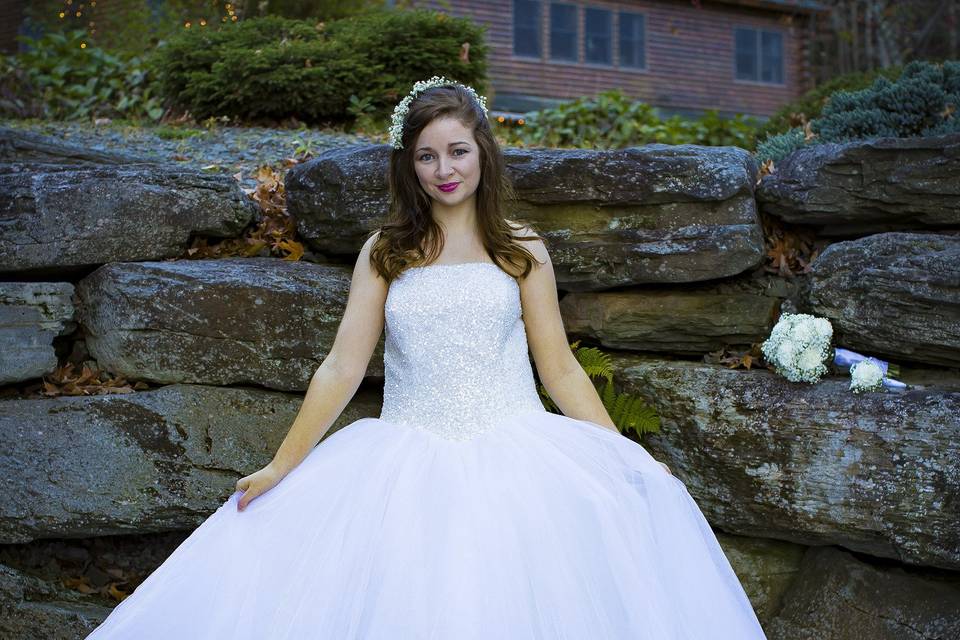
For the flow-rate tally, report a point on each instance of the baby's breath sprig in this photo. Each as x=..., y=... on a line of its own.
x=400, y=112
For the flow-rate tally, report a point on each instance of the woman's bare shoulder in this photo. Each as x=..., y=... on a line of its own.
x=535, y=245
x=520, y=229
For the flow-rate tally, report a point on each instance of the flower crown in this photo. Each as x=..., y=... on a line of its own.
x=400, y=112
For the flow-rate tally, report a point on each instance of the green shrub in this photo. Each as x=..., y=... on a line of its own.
x=921, y=102
x=276, y=67
x=923, y=99
x=62, y=76
x=779, y=146
x=808, y=106
x=612, y=120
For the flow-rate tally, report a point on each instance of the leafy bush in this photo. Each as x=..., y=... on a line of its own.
x=61, y=76
x=276, y=67
x=613, y=120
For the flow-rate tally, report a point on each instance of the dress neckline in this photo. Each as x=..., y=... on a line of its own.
x=460, y=264
x=451, y=264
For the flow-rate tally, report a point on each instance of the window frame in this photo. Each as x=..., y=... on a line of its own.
x=611, y=13
x=543, y=9
x=759, y=57
x=577, y=35
x=643, y=48
x=539, y=30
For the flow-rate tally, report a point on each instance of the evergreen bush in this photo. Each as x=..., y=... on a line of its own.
x=809, y=106
x=923, y=101
x=274, y=67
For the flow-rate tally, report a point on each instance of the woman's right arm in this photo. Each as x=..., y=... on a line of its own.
x=336, y=380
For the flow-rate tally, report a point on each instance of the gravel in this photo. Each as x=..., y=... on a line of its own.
x=222, y=149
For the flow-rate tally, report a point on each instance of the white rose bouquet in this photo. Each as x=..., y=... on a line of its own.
x=799, y=348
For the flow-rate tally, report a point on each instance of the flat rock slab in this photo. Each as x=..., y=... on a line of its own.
x=893, y=295
x=56, y=217
x=688, y=319
x=868, y=186
x=29, y=147
x=141, y=462
x=656, y=213
x=261, y=321
x=839, y=597
x=32, y=314
x=813, y=464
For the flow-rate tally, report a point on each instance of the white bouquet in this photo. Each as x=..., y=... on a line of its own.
x=866, y=375
x=798, y=346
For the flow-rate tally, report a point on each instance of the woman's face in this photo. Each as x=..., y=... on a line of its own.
x=446, y=154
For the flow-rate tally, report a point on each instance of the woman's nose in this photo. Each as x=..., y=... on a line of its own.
x=443, y=169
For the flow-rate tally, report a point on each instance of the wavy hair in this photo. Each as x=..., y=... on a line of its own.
x=410, y=236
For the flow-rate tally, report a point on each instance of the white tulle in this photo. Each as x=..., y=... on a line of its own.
x=547, y=527
x=515, y=524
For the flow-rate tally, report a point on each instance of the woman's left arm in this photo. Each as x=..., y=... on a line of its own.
x=567, y=383
x=565, y=380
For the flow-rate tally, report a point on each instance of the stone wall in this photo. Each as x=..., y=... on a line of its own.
x=661, y=259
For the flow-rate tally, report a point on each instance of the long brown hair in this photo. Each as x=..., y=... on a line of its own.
x=410, y=236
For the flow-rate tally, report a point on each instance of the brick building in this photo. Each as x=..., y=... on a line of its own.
x=681, y=56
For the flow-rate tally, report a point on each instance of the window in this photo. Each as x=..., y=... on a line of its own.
x=526, y=28
x=598, y=36
x=632, y=40
x=563, y=32
x=759, y=55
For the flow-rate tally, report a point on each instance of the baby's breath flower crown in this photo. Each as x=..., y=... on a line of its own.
x=400, y=112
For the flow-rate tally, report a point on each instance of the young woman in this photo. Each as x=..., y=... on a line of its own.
x=465, y=510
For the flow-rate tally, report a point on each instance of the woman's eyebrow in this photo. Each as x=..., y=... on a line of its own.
x=449, y=145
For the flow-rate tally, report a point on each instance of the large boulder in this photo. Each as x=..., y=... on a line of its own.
x=64, y=217
x=656, y=213
x=813, y=464
x=868, y=186
x=139, y=462
x=892, y=294
x=264, y=321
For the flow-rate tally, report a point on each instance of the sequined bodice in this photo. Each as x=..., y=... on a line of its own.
x=455, y=359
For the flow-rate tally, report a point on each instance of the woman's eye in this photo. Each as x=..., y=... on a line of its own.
x=424, y=157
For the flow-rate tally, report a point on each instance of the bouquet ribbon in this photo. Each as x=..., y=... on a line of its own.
x=845, y=358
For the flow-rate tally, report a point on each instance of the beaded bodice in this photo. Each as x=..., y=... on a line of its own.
x=455, y=359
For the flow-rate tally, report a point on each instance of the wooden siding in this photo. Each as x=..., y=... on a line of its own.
x=689, y=56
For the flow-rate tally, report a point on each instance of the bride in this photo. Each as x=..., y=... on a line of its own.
x=465, y=510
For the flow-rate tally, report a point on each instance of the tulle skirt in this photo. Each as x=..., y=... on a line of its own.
x=543, y=527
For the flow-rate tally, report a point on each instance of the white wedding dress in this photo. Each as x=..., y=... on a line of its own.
x=464, y=512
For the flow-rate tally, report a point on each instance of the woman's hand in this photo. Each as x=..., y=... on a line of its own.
x=666, y=467
x=256, y=484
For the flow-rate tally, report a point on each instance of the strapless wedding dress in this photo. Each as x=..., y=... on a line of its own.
x=464, y=511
